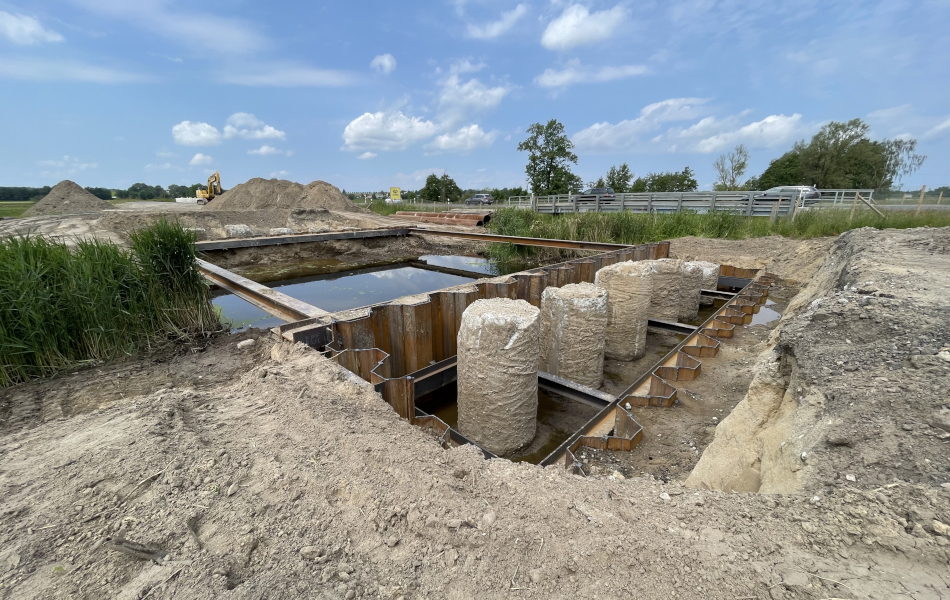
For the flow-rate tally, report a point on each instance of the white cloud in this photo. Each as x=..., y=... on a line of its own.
x=187, y=133
x=499, y=27
x=199, y=32
x=167, y=166
x=24, y=30
x=625, y=135
x=278, y=174
x=464, y=140
x=384, y=63
x=201, y=159
x=249, y=127
x=577, y=73
x=67, y=165
x=386, y=131
x=265, y=150
x=288, y=75
x=457, y=100
x=577, y=26
x=770, y=131
x=367, y=155
x=466, y=66
x=41, y=69
x=938, y=130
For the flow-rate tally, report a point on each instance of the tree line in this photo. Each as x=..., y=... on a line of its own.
x=839, y=156
x=137, y=191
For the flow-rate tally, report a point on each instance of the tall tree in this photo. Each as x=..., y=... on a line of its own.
x=618, y=178
x=840, y=156
x=549, y=158
x=730, y=169
x=824, y=158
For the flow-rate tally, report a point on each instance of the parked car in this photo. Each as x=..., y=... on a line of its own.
x=480, y=199
x=591, y=195
x=393, y=201
x=810, y=194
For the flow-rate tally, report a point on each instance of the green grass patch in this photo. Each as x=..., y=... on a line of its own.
x=381, y=208
x=14, y=209
x=641, y=228
x=67, y=307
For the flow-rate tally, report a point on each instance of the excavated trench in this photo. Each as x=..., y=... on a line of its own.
x=672, y=438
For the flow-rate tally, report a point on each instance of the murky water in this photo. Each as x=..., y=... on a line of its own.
x=765, y=314
x=339, y=291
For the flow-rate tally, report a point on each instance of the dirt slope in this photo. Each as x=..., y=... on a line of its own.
x=296, y=480
x=268, y=194
x=67, y=197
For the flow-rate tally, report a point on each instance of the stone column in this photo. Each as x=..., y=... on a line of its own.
x=573, y=325
x=667, y=289
x=498, y=353
x=629, y=288
x=691, y=285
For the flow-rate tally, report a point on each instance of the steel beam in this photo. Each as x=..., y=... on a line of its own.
x=270, y=300
x=299, y=238
x=522, y=241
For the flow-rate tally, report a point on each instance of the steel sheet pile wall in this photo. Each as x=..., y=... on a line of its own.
x=614, y=427
x=391, y=341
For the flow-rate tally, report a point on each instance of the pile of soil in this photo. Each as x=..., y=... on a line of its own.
x=67, y=197
x=269, y=194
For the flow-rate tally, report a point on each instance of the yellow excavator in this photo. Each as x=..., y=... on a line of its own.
x=214, y=189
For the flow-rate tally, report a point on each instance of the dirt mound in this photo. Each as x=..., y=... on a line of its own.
x=269, y=194
x=67, y=197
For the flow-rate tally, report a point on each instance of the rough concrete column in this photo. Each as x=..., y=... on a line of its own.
x=691, y=289
x=498, y=352
x=667, y=289
x=629, y=288
x=573, y=324
x=710, y=280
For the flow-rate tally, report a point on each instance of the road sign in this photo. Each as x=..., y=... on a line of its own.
x=394, y=194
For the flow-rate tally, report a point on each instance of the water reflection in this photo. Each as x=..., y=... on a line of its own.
x=339, y=291
x=472, y=263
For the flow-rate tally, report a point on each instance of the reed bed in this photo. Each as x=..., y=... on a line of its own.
x=67, y=307
x=641, y=228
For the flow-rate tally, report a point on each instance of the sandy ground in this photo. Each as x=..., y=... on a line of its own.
x=287, y=477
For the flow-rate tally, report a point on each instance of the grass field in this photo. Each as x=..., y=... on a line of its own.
x=640, y=228
x=65, y=307
x=14, y=209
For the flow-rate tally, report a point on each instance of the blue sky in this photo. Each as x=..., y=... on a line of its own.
x=368, y=95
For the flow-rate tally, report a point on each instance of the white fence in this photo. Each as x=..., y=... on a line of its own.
x=745, y=203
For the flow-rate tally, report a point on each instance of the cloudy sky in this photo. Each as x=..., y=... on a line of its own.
x=377, y=94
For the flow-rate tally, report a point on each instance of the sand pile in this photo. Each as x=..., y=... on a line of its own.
x=271, y=194
x=67, y=197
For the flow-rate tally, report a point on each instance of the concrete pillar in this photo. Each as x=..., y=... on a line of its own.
x=667, y=289
x=573, y=324
x=498, y=352
x=629, y=288
x=691, y=289
x=710, y=280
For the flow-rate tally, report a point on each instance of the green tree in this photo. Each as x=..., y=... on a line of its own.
x=102, y=193
x=784, y=170
x=840, y=156
x=549, y=158
x=673, y=181
x=730, y=168
x=619, y=178
x=440, y=189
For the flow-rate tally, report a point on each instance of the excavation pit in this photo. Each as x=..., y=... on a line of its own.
x=407, y=349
